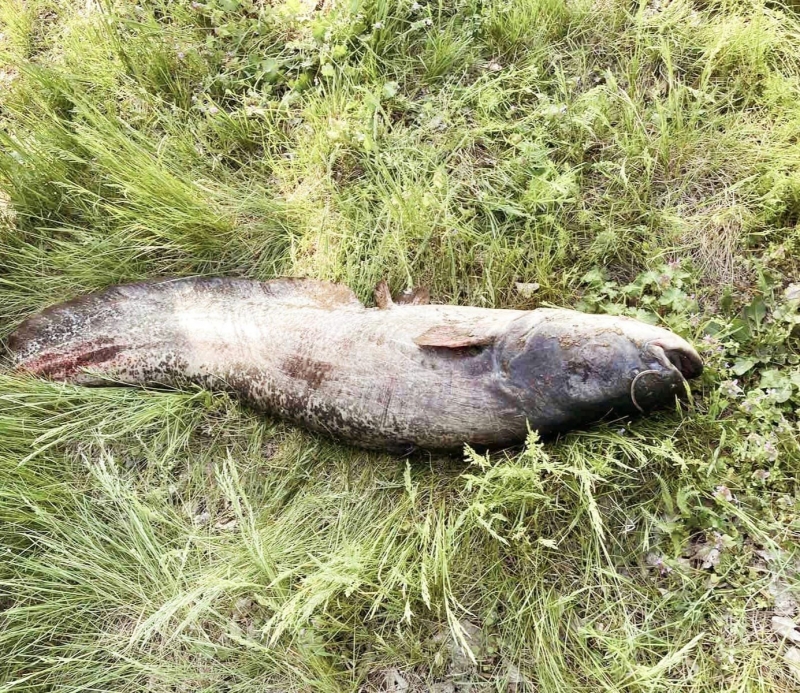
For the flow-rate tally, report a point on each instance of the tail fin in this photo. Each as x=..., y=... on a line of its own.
x=92, y=332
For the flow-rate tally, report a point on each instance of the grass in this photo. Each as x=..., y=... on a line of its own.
x=628, y=158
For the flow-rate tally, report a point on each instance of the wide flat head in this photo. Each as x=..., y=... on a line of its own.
x=570, y=367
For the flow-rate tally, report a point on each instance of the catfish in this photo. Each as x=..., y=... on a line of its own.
x=398, y=377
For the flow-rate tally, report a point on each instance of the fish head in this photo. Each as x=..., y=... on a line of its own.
x=570, y=367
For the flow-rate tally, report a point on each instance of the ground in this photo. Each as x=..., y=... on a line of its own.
x=608, y=156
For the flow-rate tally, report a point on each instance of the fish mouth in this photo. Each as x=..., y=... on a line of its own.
x=676, y=355
x=678, y=363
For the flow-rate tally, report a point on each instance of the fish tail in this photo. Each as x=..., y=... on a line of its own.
x=84, y=339
x=132, y=333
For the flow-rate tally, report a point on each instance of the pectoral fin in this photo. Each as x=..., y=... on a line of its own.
x=455, y=336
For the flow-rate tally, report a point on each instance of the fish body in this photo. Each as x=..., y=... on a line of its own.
x=399, y=377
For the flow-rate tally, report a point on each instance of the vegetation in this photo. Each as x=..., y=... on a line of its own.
x=637, y=158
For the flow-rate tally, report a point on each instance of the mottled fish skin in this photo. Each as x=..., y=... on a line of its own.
x=399, y=377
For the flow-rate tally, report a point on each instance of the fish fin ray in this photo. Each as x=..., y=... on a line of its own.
x=314, y=293
x=383, y=297
x=418, y=296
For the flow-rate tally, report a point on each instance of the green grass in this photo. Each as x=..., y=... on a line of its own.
x=628, y=158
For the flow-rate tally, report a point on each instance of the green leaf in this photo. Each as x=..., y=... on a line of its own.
x=643, y=315
x=675, y=298
x=270, y=69
x=740, y=330
x=302, y=83
x=319, y=28
x=726, y=302
x=773, y=378
x=780, y=382
x=390, y=89
x=741, y=366
x=756, y=311
x=328, y=70
x=594, y=277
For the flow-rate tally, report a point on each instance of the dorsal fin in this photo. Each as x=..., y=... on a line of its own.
x=295, y=291
x=383, y=297
x=312, y=292
x=418, y=296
